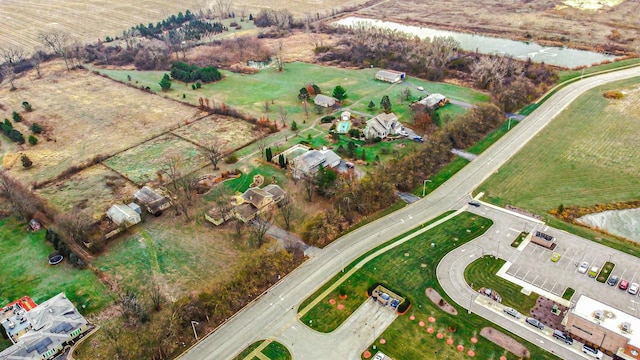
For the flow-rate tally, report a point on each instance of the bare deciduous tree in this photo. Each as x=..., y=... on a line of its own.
x=36, y=61
x=259, y=227
x=283, y=115
x=58, y=42
x=214, y=154
x=286, y=211
x=278, y=56
x=9, y=74
x=12, y=54
x=309, y=182
x=262, y=144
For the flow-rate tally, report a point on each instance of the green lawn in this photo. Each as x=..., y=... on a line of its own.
x=406, y=275
x=587, y=155
x=274, y=351
x=482, y=274
x=494, y=136
x=572, y=74
x=444, y=174
x=25, y=271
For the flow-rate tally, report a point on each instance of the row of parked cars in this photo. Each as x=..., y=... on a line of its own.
x=560, y=335
x=631, y=288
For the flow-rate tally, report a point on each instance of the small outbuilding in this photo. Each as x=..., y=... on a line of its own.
x=324, y=100
x=435, y=101
x=391, y=76
x=122, y=214
x=152, y=200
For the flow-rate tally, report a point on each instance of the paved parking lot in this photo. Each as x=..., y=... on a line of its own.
x=533, y=265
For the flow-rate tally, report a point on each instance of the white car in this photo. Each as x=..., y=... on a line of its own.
x=379, y=356
x=592, y=352
x=633, y=289
x=583, y=267
x=420, y=88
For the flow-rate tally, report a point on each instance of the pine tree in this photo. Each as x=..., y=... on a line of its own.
x=165, y=83
x=269, y=154
x=282, y=162
x=385, y=104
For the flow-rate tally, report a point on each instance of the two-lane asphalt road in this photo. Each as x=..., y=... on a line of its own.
x=269, y=314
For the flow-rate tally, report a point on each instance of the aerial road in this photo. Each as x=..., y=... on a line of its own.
x=276, y=310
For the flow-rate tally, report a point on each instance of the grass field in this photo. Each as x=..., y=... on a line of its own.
x=25, y=271
x=94, y=189
x=85, y=115
x=142, y=163
x=224, y=132
x=273, y=351
x=585, y=156
x=482, y=273
x=406, y=275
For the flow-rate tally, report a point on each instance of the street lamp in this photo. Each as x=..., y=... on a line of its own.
x=424, y=186
x=341, y=259
x=193, y=325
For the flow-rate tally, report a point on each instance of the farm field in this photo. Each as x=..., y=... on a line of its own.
x=588, y=155
x=23, y=21
x=400, y=269
x=84, y=115
x=25, y=271
x=224, y=132
x=95, y=189
x=144, y=163
x=249, y=92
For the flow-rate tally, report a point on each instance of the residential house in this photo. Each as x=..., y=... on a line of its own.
x=309, y=162
x=391, y=76
x=382, y=125
x=251, y=203
x=612, y=330
x=121, y=214
x=152, y=200
x=434, y=101
x=324, y=100
x=46, y=330
x=345, y=116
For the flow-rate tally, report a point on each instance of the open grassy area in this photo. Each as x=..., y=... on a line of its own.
x=494, y=136
x=572, y=74
x=406, y=275
x=444, y=174
x=144, y=162
x=482, y=274
x=273, y=351
x=584, y=157
x=25, y=271
x=223, y=132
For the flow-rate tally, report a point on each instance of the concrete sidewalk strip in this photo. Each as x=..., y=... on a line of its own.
x=257, y=352
x=503, y=274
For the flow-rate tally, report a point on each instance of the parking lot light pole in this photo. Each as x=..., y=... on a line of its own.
x=424, y=186
x=193, y=325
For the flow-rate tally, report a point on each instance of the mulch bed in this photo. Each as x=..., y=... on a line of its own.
x=542, y=312
x=505, y=341
x=436, y=298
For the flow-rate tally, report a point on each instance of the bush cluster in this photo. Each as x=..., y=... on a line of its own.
x=11, y=133
x=190, y=73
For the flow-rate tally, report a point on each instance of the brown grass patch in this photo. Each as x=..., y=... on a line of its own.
x=505, y=341
x=224, y=132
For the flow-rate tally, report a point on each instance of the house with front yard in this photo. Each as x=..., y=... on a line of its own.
x=382, y=125
x=612, y=330
x=44, y=331
x=250, y=204
x=391, y=76
x=434, y=101
x=309, y=162
x=324, y=100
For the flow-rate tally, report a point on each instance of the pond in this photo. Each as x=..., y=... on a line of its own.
x=624, y=223
x=559, y=56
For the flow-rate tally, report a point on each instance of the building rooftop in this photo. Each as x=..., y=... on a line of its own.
x=609, y=317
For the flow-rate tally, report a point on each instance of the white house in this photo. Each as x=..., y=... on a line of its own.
x=382, y=125
x=122, y=214
x=324, y=100
x=434, y=101
x=309, y=162
x=391, y=76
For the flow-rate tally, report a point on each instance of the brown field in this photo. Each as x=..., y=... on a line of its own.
x=92, y=190
x=542, y=19
x=85, y=115
x=223, y=132
x=91, y=20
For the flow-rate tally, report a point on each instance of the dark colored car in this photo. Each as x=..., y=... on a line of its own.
x=613, y=280
x=562, y=336
x=624, y=284
x=474, y=203
x=535, y=323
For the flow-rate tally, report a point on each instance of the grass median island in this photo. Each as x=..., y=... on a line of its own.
x=405, y=339
x=482, y=274
x=273, y=350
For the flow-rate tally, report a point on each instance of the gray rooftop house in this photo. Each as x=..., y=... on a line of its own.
x=309, y=162
x=46, y=329
x=324, y=100
x=391, y=76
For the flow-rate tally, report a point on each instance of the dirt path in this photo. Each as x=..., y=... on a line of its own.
x=436, y=298
x=505, y=341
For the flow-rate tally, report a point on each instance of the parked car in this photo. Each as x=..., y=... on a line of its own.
x=562, y=336
x=379, y=356
x=633, y=289
x=592, y=352
x=613, y=280
x=513, y=312
x=583, y=267
x=418, y=138
x=594, y=271
x=420, y=88
x=535, y=323
x=624, y=284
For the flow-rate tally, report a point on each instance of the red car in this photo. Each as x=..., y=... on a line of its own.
x=624, y=284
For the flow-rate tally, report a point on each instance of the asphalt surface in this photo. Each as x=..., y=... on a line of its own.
x=268, y=315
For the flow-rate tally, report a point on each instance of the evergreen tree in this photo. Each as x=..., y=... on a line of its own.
x=282, y=162
x=32, y=140
x=16, y=117
x=165, y=83
x=339, y=93
x=304, y=94
x=26, y=162
x=294, y=126
x=385, y=104
x=371, y=105
x=269, y=154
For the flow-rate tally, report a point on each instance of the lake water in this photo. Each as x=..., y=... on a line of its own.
x=624, y=223
x=564, y=57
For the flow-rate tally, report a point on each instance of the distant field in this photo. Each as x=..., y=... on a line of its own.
x=85, y=115
x=588, y=155
x=25, y=271
x=91, y=20
x=95, y=189
x=224, y=132
x=142, y=163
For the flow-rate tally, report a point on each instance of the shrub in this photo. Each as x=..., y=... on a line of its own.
x=613, y=95
x=26, y=106
x=231, y=159
x=26, y=162
x=32, y=140
x=327, y=119
x=36, y=128
x=198, y=85
x=193, y=86
x=16, y=117
x=189, y=73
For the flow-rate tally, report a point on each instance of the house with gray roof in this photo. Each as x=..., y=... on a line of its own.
x=324, y=100
x=391, y=76
x=309, y=162
x=382, y=125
